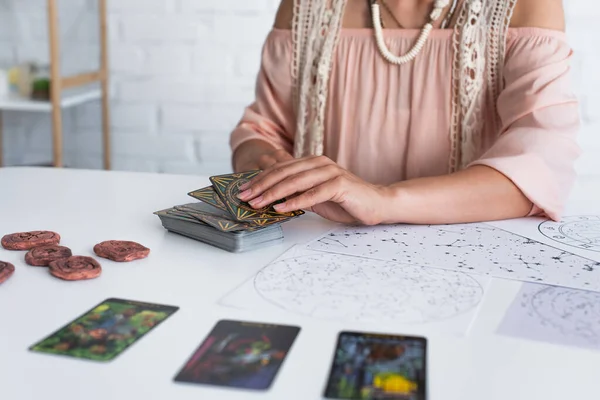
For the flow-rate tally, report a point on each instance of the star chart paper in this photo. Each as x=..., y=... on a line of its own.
x=472, y=248
x=346, y=288
x=577, y=234
x=555, y=315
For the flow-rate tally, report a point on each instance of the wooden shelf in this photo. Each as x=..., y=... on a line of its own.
x=68, y=91
x=70, y=98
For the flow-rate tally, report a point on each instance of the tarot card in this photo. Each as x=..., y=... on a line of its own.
x=240, y=354
x=203, y=208
x=209, y=196
x=178, y=213
x=262, y=223
x=227, y=187
x=373, y=366
x=105, y=331
x=174, y=214
x=222, y=224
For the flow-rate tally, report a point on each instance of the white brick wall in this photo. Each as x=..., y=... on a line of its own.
x=181, y=77
x=182, y=72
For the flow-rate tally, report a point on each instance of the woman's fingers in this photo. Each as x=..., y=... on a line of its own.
x=297, y=183
x=278, y=173
x=325, y=192
x=266, y=163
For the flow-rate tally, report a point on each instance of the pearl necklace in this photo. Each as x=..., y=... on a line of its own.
x=438, y=8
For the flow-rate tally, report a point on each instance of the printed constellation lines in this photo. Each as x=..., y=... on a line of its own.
x=579, y=231
x=341, y=287
x=555, y=315
x=473, y=248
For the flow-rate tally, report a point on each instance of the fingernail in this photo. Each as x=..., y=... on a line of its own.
x=245, y=186
x=245, y=194
x=256, y=201
x=280, y=207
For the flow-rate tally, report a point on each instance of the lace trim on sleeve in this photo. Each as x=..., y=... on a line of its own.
x=479, y=50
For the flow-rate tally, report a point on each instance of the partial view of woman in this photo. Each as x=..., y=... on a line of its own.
x=413, y=111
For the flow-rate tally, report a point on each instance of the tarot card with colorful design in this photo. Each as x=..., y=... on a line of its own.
x=105, y=331
x=375, y=366
x=228, y=188
x=238, y=354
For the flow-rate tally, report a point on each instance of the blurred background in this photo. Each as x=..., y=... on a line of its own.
x=181, y=72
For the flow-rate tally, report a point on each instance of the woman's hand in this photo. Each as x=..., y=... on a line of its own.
x=269, y=159
x=320, y=185
x=258, y=154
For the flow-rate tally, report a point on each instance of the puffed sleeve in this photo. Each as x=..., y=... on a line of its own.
x=271, y=118
x=537, y=148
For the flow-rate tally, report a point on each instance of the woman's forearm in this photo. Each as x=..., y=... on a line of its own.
x=475, y=194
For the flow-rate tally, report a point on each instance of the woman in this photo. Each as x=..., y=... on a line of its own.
x=363, y=117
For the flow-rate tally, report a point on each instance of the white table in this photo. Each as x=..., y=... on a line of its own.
x=86, y=207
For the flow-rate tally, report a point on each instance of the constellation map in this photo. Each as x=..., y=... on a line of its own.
x=473, y=248
x=578, y=231
x=556, y=315
x=347, y=288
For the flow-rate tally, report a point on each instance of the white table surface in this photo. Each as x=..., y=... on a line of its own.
x=87, y=207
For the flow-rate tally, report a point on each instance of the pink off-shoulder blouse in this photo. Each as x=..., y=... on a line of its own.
x=388, y=123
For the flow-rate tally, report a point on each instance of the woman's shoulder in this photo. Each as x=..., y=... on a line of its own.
x=546, y=14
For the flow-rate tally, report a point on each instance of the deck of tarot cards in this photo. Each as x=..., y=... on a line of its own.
x=222, y=220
